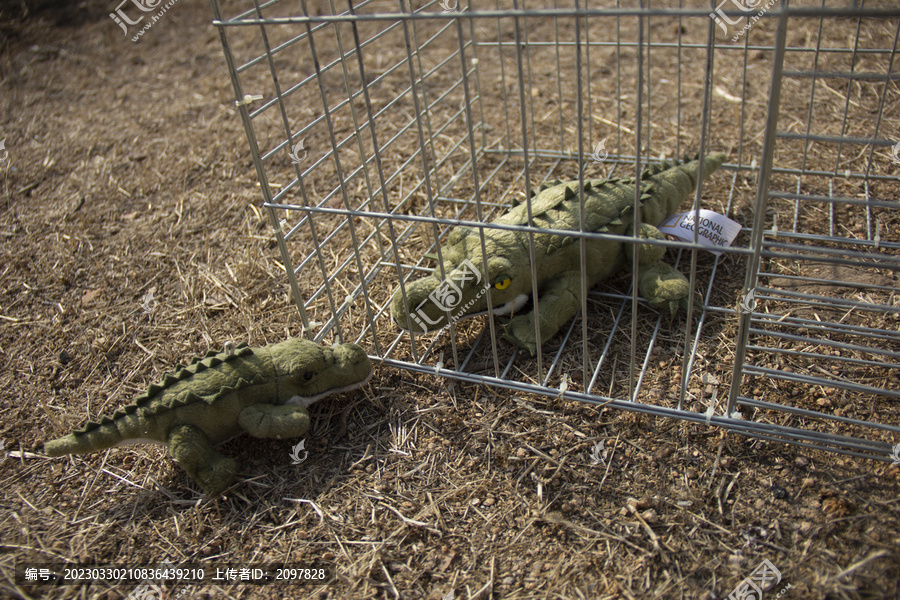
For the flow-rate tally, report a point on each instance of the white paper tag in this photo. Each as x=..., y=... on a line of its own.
x=716, y=231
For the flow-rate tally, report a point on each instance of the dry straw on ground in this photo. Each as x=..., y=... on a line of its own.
x=132, y=240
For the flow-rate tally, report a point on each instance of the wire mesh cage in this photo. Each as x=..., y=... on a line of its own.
x=378, y=128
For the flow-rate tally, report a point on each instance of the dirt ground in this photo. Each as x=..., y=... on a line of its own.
x=131, y=239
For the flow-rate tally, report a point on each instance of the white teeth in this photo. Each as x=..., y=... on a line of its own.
x=514, y=304
x=504, y=309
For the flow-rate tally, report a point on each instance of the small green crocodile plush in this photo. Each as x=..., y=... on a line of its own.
x=431, y=303
x=262, y=391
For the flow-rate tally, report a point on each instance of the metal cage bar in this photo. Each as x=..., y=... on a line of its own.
x=377, y=128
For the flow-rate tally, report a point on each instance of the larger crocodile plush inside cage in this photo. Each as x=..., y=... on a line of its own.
x=377, y=129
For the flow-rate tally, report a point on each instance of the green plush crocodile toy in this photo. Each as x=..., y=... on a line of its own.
x=435, y=301
x=262, y=391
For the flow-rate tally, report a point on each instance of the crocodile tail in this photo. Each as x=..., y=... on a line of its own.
x=689, y=165
x=124, y=424
x=72, y=444
x=666, y=186
x=711, y=163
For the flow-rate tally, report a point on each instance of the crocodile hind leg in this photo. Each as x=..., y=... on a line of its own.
x=662, y=285
x=274, y=420
x=559, y=301
x=194, y=452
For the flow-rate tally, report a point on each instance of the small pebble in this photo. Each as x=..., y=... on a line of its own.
x=643, y=503
x=737, y=560
x=650, y=516
x=663, y=452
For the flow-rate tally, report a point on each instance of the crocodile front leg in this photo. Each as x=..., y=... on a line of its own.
x=194, y=452
x=559, y=301
x=274, y=420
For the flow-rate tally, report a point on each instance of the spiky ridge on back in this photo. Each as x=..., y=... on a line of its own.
x=154, y=402
x=609, y=204
x=598, y=214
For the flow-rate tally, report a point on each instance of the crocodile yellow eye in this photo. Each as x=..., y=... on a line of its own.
x=503, y=283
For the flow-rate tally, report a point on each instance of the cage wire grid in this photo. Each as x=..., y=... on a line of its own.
x=376, y=128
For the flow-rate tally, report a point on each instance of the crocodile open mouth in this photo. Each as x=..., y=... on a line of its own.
x=306, y=401
x=504, y=309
